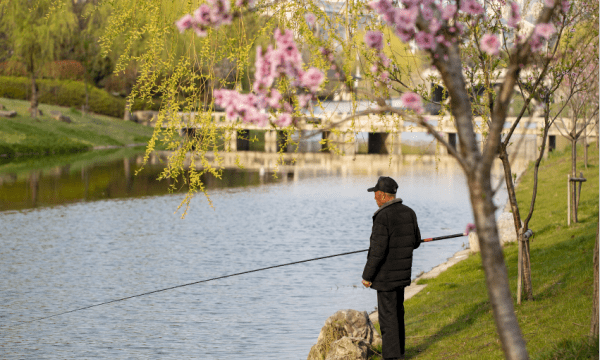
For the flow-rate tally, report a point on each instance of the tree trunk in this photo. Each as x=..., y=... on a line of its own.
x=33, y=106
x=594, y=327
x=572, y=184
x=496, y=274
x=524, y=273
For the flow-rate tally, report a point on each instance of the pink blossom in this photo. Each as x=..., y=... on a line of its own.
x=200, y=30
x=536, y=43
x=427, y=13
x=544, y=30
x=284, y=119
x=405, y=35
x=184, y=23
x=565, y=4
x=434, y=26
x=304, y=99
x=549, y=3
x=490, y=44
x=374, y=40
x=312, y=79
x=412, y=101
x=202, y=15
x=310, y=19
x=448, y=12
x=405, y=18
x=425, y=40
x=515, y=15
x=471, y=7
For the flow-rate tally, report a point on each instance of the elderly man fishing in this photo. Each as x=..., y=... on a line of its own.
x=394, y=236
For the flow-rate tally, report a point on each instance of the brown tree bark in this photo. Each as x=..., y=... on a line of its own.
x=572, y=185
x=594, y=327
x=33, y=104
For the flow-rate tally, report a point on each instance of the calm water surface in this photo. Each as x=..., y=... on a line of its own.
x=59, y=258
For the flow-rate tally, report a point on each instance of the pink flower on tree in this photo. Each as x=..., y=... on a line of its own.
x=406, y=18
x=184, y=23
x=374, y=40
x=312, y=79
x=471, y=7
x=310, y=19
x=425, y=40
x=515, y=15
x=544, y=30
x=490, y=44
x=448, y=12
x=470, y=228
x=412, y=101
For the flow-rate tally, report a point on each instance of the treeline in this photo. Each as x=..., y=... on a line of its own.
x=68, y=49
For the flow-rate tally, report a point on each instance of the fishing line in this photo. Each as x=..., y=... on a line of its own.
x=215, y=278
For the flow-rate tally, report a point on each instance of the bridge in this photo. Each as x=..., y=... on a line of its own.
x=384, y=132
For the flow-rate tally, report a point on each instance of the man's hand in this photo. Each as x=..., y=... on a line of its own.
x=366, y=283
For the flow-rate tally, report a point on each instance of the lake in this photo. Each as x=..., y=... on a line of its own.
x=85, y=230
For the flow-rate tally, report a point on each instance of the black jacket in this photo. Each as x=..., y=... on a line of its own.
x=394, y=236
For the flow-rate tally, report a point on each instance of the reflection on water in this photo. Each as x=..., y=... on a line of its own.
x=59, y=258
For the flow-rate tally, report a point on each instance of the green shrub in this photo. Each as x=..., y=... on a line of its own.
x=70, y=93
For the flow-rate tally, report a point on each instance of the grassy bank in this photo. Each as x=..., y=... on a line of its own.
x=452, y=318
x=24, y=135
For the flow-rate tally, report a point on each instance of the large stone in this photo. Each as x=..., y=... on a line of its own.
x=506, y=232
x=7, y=113
x=146, y=117
x=506, y=228
x=349, y=348
x=473, y=242
x=344, y=323
x=57, y=115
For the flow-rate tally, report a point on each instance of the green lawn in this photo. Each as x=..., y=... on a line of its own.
x=452, y=318
x=24, y=135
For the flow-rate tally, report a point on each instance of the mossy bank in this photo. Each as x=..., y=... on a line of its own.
x=23, y=135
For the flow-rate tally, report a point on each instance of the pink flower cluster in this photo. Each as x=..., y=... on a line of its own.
x=541, y=32
x=213, y=14
x=490, y=44
x=412, y=102
x=437, y=15
x=283, y=61
x=515, y=15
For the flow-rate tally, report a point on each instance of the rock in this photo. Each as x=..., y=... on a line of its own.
x=374, y=316
x=506, y=228
x=349, y=348
x=506, y=232
x=57, y=115
x=7, y=113
x=146, y=117
x=344, y=323
x=473, y=242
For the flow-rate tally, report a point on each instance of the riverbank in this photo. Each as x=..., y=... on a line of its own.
x=448, y=314
x=23, y=136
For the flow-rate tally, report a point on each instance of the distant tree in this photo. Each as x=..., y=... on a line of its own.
x=35, y=30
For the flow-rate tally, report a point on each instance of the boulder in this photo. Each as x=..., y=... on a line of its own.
x=506, y=232
x=8, y=113
x=349, y=348
x=146, y=117
x=506, y=228
x=57, y=115
x=344, y=323
x=473, y=242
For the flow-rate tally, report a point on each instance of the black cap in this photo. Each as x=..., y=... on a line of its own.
x=385, y=184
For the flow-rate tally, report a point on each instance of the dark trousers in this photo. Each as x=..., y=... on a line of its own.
x=390, y=305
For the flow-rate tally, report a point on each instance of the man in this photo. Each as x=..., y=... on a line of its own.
x=394, y=236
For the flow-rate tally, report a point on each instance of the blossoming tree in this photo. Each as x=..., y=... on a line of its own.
x=283, y=85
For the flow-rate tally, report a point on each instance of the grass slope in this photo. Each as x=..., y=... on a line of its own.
x=24, y=135
x=452, y=318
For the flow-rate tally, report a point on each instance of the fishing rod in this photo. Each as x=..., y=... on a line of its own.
x=217, y=278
